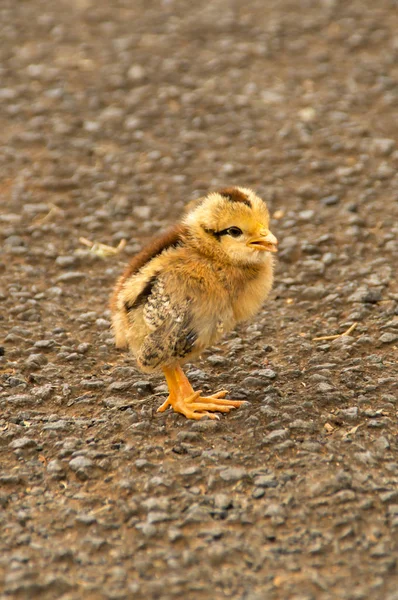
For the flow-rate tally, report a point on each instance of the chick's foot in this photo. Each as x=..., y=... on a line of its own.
x=197, y=406
x=191, y=404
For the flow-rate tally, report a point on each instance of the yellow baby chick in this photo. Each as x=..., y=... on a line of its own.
x=192, y=284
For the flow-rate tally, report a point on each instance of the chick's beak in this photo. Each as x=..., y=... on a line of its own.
x=265, y=240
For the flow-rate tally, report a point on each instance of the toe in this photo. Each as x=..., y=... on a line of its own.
x=220, y=394
x=191, y=412
x=219, y=402
x=163, y=406
x=210, y=406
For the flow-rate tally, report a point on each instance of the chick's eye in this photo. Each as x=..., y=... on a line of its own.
x=234, y=231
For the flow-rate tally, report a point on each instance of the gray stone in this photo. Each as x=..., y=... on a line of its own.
x=222, y=501
x=59, y=425
x=158, y=517
x=331, y=200
x=197, y=514
x=190, y=471
x=276, y=436
x=36, y=361
x=382, y=146
x=85, y=519
x=20, y=399
x=299, y=424
x=388, y=338
x=80, y=462
x=265, y=481
x=23, y=443
x=55, y=468
x=267, y=373
x=349, y=413
x=232, y=474
x=66, y=261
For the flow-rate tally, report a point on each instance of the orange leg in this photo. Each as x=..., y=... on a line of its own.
x=191, y=404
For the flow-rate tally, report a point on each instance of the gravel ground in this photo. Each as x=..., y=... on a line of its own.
x=112, y=116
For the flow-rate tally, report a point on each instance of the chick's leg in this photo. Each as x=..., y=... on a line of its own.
x=191, y=404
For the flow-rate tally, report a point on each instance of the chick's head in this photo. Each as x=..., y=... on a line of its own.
x=234, y=223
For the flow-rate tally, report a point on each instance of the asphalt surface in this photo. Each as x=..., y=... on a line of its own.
x=113, y=115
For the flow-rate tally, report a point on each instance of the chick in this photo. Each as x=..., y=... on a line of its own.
x=192, y=284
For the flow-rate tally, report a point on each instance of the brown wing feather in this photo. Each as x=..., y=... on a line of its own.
x=166, y=240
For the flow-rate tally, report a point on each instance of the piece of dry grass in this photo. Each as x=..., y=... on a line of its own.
x=54, y=211
x=352, y=431
x=335, y=337
x=103, y=250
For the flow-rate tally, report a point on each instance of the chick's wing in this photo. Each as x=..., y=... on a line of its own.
x=169, y=319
